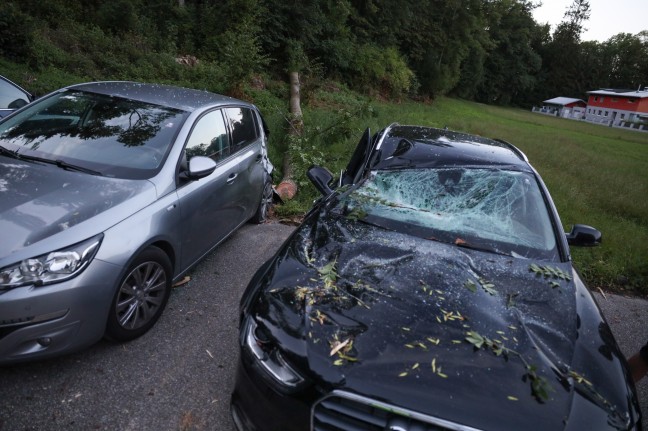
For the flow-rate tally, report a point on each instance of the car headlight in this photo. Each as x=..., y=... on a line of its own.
x=269, y=358
x=52, y=267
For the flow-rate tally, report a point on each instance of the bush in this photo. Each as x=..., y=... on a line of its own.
x=382, y=69
x=15, y=33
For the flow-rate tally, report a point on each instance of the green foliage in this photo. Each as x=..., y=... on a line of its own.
x=510, y=65
x=117, y=16
x=240, y=52
x=489, y=51
x=382, y=69
x=15, y=32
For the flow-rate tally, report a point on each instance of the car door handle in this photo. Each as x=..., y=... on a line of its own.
x=258, y=158
x=231, y=178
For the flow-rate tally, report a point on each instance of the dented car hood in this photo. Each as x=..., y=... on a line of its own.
x=480, y=339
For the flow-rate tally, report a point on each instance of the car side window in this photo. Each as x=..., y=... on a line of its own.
x=209, y=138
x=11, y=97
x=244, y=128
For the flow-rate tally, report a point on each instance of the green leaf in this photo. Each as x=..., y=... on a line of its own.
x=470, y=285
x=475, y=339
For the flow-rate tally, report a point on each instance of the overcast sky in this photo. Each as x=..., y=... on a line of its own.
x=608, y=17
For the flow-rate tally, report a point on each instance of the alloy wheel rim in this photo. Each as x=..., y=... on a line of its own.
x=141, y=295
x=266, y=200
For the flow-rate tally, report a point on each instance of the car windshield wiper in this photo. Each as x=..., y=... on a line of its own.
x=61, y=164
x=10, y=153
x=70, y=167
x=464, y=244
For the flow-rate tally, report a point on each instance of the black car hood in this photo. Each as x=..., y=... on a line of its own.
x=480, y=339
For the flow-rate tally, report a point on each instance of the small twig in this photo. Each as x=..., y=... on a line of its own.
x=339, y=347
x=185, y=280
x=602, y=293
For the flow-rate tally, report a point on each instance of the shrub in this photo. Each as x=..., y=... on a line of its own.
x=15, y=32
x=382, y=69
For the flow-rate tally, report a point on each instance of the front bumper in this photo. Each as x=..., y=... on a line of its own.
x=39, y=322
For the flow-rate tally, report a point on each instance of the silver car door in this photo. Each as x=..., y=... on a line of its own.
x=208, y=205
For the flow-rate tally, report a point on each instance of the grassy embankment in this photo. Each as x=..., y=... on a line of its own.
x=596, y=175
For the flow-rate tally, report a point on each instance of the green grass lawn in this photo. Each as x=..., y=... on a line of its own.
x=596, y=175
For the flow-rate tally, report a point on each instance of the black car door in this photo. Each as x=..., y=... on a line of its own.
x=359, y=160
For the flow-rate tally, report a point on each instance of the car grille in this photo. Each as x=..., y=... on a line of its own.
x=344, y=411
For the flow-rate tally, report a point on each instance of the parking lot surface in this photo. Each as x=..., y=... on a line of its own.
x=180, y=375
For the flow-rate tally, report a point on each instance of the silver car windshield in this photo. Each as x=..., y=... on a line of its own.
x=115, y=136
x=498, y=210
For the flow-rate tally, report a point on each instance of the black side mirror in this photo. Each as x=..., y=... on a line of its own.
x=583, y=235
x=321, y=178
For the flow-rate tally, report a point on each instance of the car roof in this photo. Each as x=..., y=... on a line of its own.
x=158, y=94
x=419, y=147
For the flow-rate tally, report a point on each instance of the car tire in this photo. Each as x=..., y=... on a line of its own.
x=141, y=296
x=265, y=204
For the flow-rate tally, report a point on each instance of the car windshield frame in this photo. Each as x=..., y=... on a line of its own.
x=115, y=136
x=503, y=211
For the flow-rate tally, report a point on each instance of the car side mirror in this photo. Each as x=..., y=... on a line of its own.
x=583, y=235
x=321, y=178
x=200, y=167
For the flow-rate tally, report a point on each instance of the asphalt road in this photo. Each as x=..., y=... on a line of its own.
x=179, y=376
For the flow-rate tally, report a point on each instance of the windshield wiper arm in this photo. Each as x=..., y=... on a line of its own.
x=58, y=162
x=478, y=248
x=70, y=167
x=10, y=153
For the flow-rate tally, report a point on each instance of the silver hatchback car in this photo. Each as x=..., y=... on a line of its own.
x=109, y=193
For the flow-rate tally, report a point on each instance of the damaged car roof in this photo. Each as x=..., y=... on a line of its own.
x=415, y=146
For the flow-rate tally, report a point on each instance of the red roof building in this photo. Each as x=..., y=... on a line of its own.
x=619, y=108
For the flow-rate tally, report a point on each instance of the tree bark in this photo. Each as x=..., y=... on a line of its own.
x=295, y=99
x=287, y=188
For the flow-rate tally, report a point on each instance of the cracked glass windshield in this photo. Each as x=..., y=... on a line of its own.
x=497, y=210
x=114, y=136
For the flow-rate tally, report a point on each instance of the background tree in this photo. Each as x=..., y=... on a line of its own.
x=562, y=62
x=626, y=58
x=511, y=65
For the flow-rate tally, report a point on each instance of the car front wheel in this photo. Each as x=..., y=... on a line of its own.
x=141, y=296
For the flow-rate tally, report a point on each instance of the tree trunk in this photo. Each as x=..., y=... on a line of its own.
x=287, y=188
x=295, y=101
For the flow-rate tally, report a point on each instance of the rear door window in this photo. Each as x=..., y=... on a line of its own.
x=243, y=127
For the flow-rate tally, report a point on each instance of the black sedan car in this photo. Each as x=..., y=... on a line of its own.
x=431, y=288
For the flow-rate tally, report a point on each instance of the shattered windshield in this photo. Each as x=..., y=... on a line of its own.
x=497, y=210
x=115, y=136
